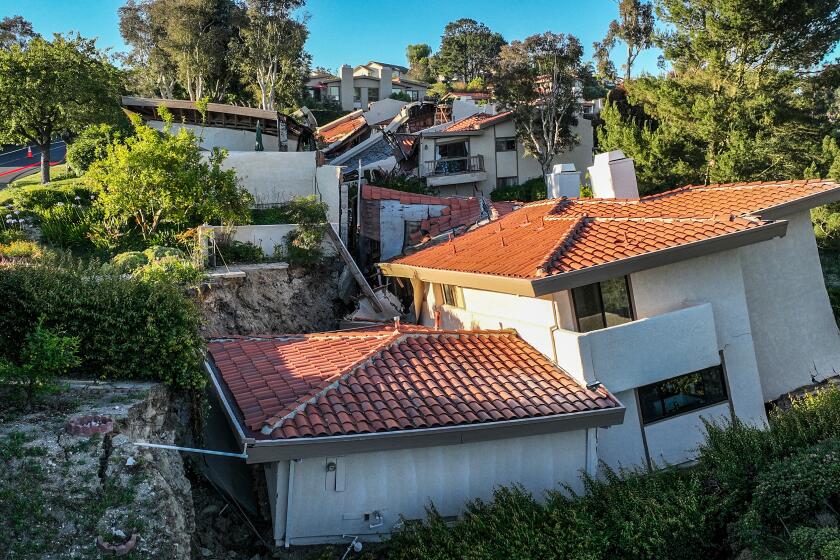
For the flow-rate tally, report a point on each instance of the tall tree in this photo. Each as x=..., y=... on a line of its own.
x=634, y=28
x=53, y=87
x=739, y=102
x=153, y=71
x=272, y=53
x=15, y=30
x=537, y=80
x=194, y=40
x=420, y=62
x=468, y=50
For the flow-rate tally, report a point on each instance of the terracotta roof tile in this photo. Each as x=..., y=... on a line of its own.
x=476, y=122
x=377, y=380
x=340, y=131
x=555, y=236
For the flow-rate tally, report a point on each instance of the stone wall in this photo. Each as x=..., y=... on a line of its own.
x=272, y=298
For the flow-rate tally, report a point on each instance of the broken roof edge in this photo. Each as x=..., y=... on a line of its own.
x=536, y=287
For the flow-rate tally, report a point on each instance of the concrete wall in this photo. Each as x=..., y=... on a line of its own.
x=326, y=505
x=276, y=177
x=792, y=324
x=392, y=218
x=267, y=237
x=233, y=140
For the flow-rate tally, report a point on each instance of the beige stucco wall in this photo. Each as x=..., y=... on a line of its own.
x=404, y=482
x=790, y=316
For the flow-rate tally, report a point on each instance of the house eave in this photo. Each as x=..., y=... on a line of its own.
x=263, y=451
x=535, y=287
x=799, y=205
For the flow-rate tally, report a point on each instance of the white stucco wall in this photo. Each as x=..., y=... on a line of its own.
x=793, y=328
x=275, y=177
x=392, y=218
x=406, y=481
x=267, y=237
x=230, y=139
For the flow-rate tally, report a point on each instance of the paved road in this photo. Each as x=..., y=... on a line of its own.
x=15, y=164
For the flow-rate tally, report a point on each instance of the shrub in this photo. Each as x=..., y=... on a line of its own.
x=21, y=250
x=529, y=191
x=39, y=198
x=92, y=145
x=68, y=226
x=128, y=262
x=401, y=96
x=171, y=269
x=127, y=328
x=303, y=245
x=234, y=252
x=792, y=491
x=156, y=252
x=44, y=357
x=7, y=235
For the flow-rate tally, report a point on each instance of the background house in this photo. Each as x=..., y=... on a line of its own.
x=355, y=88
x=702, y=302
x=478, y=151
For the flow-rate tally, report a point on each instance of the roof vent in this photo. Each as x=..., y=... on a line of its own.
x=563, y=181
x=613, y=176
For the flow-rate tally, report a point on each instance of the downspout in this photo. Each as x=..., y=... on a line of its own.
x=554, y=328
x=291, y=488
x=591, y=452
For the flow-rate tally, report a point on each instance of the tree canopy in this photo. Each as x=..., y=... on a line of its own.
x=14, y=30
x=537, y=80
x=155, y=178
x=468, y=50
x=49, y=88
x=634, y=28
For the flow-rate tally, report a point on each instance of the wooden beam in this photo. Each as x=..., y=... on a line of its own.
x=354, y=269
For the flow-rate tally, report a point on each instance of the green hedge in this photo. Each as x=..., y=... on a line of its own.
x=128, y=328
x=772, y=491
x=529, y=191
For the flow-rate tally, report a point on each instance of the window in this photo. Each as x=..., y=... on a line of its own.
x=602, y=304
x=505, y=144
x=458, y=148
x=506, y=182
x=682, y=394
x=335, y=93
x=452, y=295
x=357, y=94
x=413, y=94
x=373, y=95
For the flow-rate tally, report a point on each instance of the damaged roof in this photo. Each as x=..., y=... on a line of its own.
x=549, y=245
x=341, y=129
x=394, y=378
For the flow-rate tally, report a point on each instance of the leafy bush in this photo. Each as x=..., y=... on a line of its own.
x=303, y=245
x=127, y=328
x=306, y=209
x=171, y=269
x=92, y=145
x=20, y=250
x=69, y=226
x=826, y=221
x=401, y=96
x=398, y=181
x=128, y=262
x=39, y=198
x=529, y=191
x=834, y=298
x=7, y=235
x=44, y=357
x=791, y=491
x=237, y=252
x=157, y=252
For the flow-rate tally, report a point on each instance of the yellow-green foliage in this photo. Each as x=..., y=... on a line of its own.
x=21, y=250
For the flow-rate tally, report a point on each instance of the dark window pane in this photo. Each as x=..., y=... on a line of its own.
x=682, y=394
x=616, y=301
x=588, y=307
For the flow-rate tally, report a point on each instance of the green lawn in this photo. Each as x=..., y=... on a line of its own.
x=60, y=174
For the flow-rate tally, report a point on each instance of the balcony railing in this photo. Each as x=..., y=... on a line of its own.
x=453, y=166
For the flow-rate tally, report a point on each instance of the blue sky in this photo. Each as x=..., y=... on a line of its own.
x=354, y=32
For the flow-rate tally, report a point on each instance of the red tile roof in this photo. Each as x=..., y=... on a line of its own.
x=388, y=379
x=476, y=122
x=333, y=133
x=555, y=236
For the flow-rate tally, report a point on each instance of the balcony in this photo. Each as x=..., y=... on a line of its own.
x=643, y=351
x=452, y=171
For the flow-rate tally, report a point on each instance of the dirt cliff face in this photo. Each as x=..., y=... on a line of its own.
x=272, y=298
x=66, y=492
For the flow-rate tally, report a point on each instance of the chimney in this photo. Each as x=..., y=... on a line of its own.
x=346, y=74
x=385, y=82
x=613, y=176
x=563, y=180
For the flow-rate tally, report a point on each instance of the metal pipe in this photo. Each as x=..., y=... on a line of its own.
x=243, y=455
x=286, y=537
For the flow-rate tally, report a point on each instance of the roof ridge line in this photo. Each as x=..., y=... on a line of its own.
x=311, y=397
x=561, y=246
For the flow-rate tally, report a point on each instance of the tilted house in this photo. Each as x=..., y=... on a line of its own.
x=701, y=302
x=357, y=428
